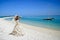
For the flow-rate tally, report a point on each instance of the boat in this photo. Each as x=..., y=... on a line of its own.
x=48, y=18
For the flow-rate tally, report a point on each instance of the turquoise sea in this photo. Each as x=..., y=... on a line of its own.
x=37, y=21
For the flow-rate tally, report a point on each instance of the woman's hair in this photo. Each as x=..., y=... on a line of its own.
x=17, y=18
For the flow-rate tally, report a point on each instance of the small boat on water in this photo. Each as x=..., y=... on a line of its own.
x=48, y=18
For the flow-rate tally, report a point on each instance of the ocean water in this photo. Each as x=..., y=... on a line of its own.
x=38, y=21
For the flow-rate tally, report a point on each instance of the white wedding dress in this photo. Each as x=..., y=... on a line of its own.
x=16, y=30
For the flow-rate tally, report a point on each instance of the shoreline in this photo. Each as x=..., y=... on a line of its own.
x=42, y=27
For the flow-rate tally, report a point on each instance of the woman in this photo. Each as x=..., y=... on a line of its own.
x=16, y=31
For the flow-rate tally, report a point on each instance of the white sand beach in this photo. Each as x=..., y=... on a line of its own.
x=29, y=32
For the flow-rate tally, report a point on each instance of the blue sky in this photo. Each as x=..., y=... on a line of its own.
x=29, y=7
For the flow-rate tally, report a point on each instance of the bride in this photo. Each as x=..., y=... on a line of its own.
x=16, y=31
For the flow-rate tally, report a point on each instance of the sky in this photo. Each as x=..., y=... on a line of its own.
x=29, y=7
